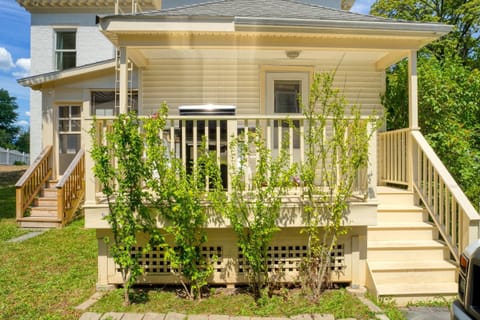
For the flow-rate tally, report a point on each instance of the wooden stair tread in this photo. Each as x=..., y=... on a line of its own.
x=392, y=190
x=398, y=207
x=419, y=288
x=377, y=244
x=40, y=219
x=400, y=225
x=410, y=265
x=44, y=208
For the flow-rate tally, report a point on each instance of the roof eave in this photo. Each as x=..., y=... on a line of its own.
x=37, y=81
x=343, y=26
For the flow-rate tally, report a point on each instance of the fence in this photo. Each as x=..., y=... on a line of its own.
x=10, y=157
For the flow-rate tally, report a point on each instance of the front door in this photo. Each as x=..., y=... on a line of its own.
x=283, y=91
x=69, y=138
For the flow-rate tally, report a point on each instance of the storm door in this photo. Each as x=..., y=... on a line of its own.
x=69, y=138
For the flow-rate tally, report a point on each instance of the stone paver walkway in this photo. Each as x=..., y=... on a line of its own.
x=180, y=316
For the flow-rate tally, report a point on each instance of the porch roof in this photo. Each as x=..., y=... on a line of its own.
x=239, y=14
x=37, y=81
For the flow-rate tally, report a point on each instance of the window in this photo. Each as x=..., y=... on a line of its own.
x=69, y=134
x=283, y=91
x=103, y=103
x=65, y=50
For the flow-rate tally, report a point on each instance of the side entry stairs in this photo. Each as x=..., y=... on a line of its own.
x=407, y=262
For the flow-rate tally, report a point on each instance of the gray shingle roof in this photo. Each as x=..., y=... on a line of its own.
x=274, y=9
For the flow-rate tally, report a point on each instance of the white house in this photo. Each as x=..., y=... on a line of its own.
x=405, y=233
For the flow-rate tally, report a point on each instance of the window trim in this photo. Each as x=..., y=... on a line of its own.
x=57, y=50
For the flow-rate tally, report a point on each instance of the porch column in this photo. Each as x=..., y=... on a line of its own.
x=412, y=164
x=412, y=91
x=123, y=79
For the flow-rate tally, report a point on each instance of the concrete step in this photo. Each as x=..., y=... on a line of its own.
x=404, y=293
x=400, y=213
x=389, y=195
x=391, y=272
x=400, y=231
x=405, y=250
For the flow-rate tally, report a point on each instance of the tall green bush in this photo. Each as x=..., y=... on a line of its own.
x=254, y=203
x=336, y=141
x=120, y=169
x=181, y=199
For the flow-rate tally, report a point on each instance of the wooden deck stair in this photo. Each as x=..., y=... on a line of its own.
x=406, y=260
x=44, y=209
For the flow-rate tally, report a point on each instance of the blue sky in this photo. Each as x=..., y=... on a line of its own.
x=15, y=50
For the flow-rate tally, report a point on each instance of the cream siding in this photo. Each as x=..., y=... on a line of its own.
x=237, y=82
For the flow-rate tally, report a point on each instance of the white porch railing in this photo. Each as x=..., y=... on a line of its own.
x=183, y=135
x=407, y=159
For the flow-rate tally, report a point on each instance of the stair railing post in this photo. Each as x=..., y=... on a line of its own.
x=60, y=205
x=19, y=202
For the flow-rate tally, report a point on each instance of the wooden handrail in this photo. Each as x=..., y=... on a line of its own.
x=453, y=214
x=71, y=188
x=32, y=180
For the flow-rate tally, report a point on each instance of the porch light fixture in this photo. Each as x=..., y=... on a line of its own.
x=292, y=54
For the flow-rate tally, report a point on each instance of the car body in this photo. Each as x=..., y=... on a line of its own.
x=467, y=306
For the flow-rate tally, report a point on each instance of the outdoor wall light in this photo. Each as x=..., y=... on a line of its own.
x=292, y=54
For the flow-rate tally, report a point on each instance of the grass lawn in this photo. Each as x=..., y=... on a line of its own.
x=337, y=302
x=47, y=276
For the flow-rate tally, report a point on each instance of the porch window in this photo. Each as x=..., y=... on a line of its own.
x=65, y=50
x=103, y=103
x=284, y=89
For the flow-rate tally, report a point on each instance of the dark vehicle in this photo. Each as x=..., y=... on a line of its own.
x=467, y=306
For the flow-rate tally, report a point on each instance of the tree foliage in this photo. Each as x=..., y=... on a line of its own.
x=336, y=142
x=120, y=169
x=448, y=95
x=258, y=184
x=449, y=114
x=8, y=118
x=181, y=199
x=463, y=42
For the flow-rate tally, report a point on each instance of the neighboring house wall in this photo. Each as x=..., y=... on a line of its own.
x=91, y=46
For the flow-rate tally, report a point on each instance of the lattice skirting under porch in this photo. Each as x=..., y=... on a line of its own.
x=230, y=267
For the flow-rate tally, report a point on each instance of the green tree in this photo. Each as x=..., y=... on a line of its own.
x=254, y=203
x=464, y=15
x=181, y=198
x=120, y=168
x=449, y=114
x=8, y=118
x=336, y=148
x=22, y=143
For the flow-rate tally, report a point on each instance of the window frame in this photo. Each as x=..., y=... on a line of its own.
x=60, y=51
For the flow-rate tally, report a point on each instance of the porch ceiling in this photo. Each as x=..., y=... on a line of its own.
x=380, y=59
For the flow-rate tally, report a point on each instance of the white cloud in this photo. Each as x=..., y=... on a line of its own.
x=23, y=123
x=23, y=64
x=362, y=6
x=6, y=62
x=27, y=113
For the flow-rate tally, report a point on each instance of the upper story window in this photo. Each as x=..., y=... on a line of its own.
x=65, y=50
